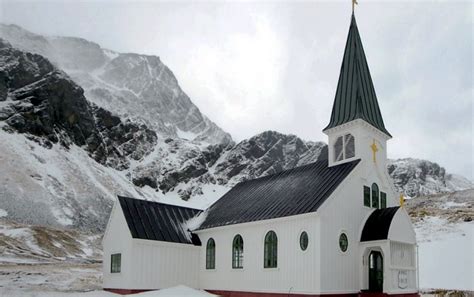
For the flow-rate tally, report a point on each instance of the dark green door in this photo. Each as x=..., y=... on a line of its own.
x=375, y=272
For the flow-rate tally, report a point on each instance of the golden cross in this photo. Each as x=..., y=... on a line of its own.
x=402, y=200
x=374, y=149
x=354, y=2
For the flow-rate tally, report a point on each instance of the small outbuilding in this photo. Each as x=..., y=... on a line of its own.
x=148, y=248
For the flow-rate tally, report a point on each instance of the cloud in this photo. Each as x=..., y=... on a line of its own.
x=239, y=77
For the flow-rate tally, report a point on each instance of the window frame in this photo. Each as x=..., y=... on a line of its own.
x=344, y=141
x=346, y=145
x=341, y=152
x=238, y=254
x=307, y=241
x=367, y=192
x=211, y=254
x=270, y=250
x=375, y=201
x=341, y=235
x=114, y=266
x=383, y=199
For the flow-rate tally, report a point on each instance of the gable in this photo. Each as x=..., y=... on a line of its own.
x=291, y=192
x=158, y=221
x=116, y=225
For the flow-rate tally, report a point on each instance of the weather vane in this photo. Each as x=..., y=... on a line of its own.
x=354, y=2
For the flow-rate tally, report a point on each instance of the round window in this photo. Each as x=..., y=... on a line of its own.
x=304, y=240
x=343, y=242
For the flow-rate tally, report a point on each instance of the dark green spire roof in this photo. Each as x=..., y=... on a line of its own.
x=355, y=94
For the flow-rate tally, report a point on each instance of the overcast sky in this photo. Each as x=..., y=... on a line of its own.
x=255, y=66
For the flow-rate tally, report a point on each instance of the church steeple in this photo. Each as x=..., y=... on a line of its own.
x=355, y=94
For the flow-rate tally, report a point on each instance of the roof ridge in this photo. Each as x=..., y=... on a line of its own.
x=156, y=202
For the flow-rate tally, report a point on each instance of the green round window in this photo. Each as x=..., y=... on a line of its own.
x=304, y=240
x=343, y=242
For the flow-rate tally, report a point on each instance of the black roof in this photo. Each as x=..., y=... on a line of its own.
x=355, y=93
x=378, y=224
x=158, y=221
x=290, y=192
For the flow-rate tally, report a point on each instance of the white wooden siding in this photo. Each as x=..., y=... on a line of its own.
x=117, y=239
x=158, y=265
x=297, y=271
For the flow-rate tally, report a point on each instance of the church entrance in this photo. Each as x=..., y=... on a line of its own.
x=375, y=271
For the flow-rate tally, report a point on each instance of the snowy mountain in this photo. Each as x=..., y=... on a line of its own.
x=92, y=124
x=416, y=177
x=132, y=86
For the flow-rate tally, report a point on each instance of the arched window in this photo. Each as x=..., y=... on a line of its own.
x=238, y=252
x=271, y=250
x=375, y=195
x=211, y=254
x=344, y=147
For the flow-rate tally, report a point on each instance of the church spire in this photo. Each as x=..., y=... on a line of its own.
x=355, y=94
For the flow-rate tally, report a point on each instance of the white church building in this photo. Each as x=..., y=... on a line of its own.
x=333, y=227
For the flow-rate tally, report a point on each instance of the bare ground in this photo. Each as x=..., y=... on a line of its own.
x=63, y=277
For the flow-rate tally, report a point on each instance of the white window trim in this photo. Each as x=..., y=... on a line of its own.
x=344, y=159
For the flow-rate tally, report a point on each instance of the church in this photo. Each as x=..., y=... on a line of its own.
x=333, y=227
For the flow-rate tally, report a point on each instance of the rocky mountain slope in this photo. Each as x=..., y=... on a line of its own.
x=74, y=139
x=416, y=177
x=132, y=86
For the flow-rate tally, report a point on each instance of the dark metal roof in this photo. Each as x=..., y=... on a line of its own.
x=290, y=192
x=157, y=221
x=355, y=94
x=378, y=224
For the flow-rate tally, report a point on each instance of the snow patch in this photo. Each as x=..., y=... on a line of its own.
x=196, y=222
x=110, y=54
x=452, y=204
x=186, y=135
x=178, y=291
x=3, y=213
x=211, y=193
x=446, y=260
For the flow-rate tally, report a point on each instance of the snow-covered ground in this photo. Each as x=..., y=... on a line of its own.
x=444, y=226
x=446, y=254
x=179, y=291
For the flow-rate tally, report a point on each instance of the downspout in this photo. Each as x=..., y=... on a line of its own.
x=417, y=270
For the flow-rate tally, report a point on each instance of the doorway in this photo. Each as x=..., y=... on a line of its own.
x=375, y=271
